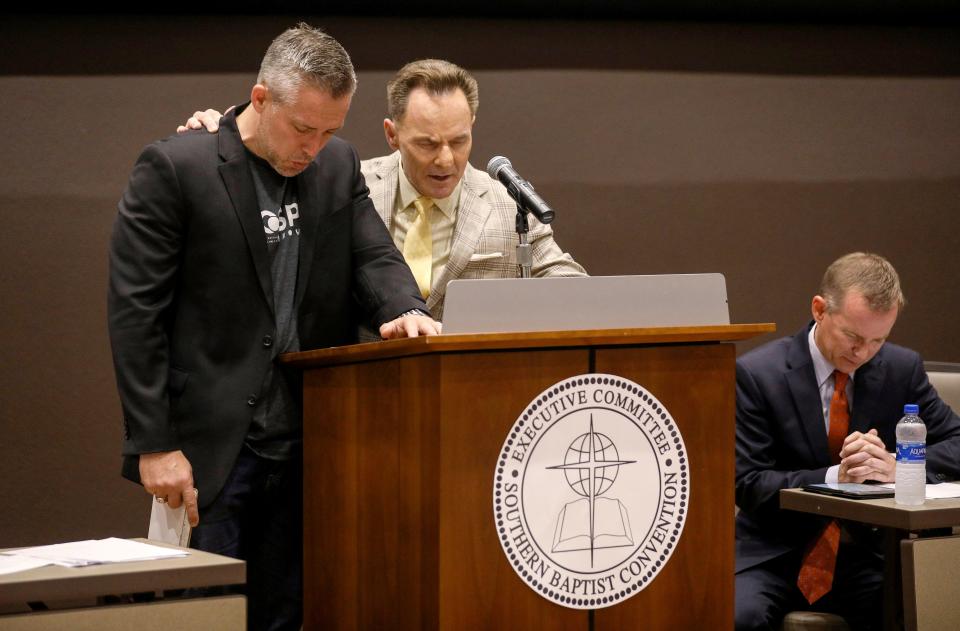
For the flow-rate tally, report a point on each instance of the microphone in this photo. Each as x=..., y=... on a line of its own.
x=520, y=190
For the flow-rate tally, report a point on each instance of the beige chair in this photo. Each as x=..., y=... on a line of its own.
x=813, y=621
x=945, y=377
x=930, y=575
x=931, y=587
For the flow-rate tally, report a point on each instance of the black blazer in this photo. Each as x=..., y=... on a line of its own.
x=782, y=441
x=190, y=299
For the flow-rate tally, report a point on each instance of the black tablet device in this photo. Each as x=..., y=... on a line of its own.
x=850, y=490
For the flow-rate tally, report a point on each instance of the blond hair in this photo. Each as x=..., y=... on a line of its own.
x=870, y=274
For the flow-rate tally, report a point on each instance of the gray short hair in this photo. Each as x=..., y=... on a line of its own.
x=306, y=55
x=437, y=77
x=870, y=274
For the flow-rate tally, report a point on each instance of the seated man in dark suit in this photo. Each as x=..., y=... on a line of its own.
x=822, y=406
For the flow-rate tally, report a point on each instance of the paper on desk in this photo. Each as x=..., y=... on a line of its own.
x=11, y=564
x=943, y=490
x=94, y=551
x=939, y=491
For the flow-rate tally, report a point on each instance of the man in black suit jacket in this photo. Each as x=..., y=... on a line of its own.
x=784, y=394
x=228, y=250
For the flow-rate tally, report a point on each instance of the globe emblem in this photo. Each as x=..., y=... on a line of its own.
x=591, y=465
x=587, y=481
x=603, y=451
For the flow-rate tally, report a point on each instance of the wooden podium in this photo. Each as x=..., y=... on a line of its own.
x=401, y=440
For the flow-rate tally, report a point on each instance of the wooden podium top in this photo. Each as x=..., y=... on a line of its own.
x=528, y=339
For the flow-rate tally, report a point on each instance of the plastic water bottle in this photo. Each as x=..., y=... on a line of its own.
x=911, y=477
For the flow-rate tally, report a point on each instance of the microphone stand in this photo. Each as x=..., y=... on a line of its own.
x=524, y=253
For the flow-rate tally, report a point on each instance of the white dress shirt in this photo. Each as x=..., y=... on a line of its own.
x=825, y=383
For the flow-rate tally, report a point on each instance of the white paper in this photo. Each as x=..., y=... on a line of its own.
x=94, y=551
x=10, y=564
x=169, y=525
x=943, y=490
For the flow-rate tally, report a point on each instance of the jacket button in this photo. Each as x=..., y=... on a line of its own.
x=267, y=341
x=252, y=400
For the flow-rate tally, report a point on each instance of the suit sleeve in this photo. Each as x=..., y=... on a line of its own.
x=943, y=427
x=548, y=258
x=143, y=262
x=385, y=285
x=760, y=474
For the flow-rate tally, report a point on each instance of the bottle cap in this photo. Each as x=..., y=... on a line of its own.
x=911, y=408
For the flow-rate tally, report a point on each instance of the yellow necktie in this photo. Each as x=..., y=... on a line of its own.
x=418, y=246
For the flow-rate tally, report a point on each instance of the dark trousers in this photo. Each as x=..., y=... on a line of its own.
x=767, y=592
x=258, y=517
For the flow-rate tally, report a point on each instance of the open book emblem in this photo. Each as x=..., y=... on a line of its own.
x=592, y=522
x=591, y=491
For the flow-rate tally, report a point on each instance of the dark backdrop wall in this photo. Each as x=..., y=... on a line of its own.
x=757, y=150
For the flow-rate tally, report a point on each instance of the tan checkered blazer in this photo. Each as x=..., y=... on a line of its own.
x=484, y=239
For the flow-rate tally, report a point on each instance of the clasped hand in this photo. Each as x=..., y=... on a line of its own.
x=864, y=457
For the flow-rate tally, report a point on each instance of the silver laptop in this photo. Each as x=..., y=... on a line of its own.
x=595, y=302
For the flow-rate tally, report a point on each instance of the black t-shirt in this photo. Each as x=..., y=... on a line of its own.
x=276, y=428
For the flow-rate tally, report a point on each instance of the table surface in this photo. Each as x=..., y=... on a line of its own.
x=883, y=512
x=53, y=582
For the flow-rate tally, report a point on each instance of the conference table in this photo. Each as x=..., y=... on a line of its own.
x=898, y=523
x=52, y=598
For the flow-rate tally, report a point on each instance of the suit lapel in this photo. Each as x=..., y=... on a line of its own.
x=383, y=188
x=472, y=215
x=235, y=173
x=802, y=381
x=867, y=390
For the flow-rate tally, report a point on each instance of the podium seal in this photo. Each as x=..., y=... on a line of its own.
x=591, y=491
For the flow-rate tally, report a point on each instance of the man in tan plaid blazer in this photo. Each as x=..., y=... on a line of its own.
x=484, y=239
x=432, y=106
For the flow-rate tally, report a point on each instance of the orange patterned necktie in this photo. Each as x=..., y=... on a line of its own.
x=820, y=561
x=839, y=416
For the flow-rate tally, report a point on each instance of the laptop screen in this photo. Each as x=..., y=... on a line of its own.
x=595, y=302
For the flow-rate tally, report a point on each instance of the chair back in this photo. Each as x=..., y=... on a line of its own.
x=945, y=377
x=930, y=585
